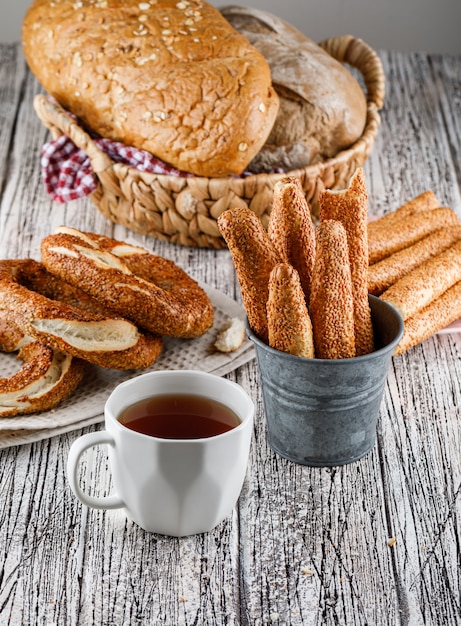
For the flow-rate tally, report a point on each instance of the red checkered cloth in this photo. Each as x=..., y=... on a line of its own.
x=68, y=174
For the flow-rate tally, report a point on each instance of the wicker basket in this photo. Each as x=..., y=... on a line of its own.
x=184, y=210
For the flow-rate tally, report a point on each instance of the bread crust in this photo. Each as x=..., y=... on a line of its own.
x=427, y=282
x=438, y=314
x=254, y=257
x=168, y=76
x=332, y=304
x=104, y=340
x=323, y=109
x=147, y=289
x=389, y=270
x=288, y=320
x=291, y=229
x=425, y=201
x=46, y=376
x=389, y=236
x=350, y=207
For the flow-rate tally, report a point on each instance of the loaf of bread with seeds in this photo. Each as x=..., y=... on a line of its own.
x=323, y=109
x=172, y=77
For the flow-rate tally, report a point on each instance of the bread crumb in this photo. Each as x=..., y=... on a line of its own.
x=307, y=572
x=231, y=336
x=391, y=542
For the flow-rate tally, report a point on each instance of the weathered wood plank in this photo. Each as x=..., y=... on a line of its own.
x=446, y=75
x=422, y=467
x=414, y=150
x=12, y=77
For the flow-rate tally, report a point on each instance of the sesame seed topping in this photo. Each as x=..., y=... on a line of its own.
x=243, y=146
x=144, y=60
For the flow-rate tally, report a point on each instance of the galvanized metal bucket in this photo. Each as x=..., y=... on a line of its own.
x=323, y=412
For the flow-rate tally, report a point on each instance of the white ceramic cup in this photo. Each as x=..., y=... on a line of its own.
x=174, y=487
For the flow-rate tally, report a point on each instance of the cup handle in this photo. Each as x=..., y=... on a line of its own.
x=79, y=446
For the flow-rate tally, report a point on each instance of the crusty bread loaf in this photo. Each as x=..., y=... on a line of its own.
x=322, y=106
x=169, y=76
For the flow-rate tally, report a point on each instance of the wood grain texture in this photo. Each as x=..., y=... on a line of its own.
x=373, y=543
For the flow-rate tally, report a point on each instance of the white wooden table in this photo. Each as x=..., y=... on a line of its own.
x=376, y=542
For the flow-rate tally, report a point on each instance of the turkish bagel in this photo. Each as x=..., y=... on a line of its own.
x=45, y=378
x=151, y=291
x=105, y=340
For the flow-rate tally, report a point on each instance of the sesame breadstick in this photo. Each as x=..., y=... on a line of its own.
x=385, y=273
x=424, y=202
x=291, y=229
x=425, y=283
x=331, y=305
x=350, y=207
x=288, y=321
x=254, y=257
x=386, y=240
x=441, y=312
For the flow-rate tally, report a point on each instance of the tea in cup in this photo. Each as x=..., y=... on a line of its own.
x=178, y=444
